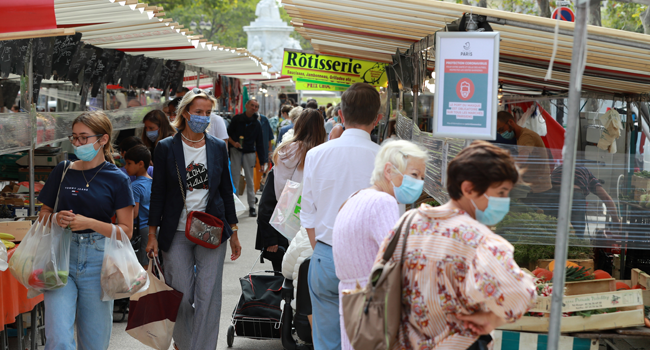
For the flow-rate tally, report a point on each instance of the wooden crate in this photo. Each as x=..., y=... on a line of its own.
x=642, y=278
x=640, y=182
x=591, y=286
x=628, y=302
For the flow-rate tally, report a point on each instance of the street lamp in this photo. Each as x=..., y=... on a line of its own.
x=201, y=26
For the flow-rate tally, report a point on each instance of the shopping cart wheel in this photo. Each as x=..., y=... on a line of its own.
x=231, y=335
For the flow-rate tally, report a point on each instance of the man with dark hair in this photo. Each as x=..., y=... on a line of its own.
x=182, y=91
x=171, y=108
x=247, y=138
x=533, y=156
x=312, y=103
x=15, y=109
x=333, y=171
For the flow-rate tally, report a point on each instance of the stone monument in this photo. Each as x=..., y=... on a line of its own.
x=268, y=35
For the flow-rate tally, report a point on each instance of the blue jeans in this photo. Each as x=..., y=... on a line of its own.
x=324, y=292
x=80, y=300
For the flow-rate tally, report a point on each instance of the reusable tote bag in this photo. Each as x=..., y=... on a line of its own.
x=373, y=315
x=286, y=216
x=152, y=313
x=41, y=261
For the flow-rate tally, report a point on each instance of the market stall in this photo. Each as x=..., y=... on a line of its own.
x=58, y=60
x=540, y=62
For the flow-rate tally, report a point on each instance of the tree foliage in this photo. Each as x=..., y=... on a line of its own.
x=228, y=18
x=624, y=16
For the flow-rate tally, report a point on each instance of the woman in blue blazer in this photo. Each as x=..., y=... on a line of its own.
x=201, y=161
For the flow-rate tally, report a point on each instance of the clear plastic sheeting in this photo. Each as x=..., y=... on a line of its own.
x=54, y=127
x=611, y=198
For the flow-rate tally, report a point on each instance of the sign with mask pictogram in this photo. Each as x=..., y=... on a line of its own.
x=467, y=68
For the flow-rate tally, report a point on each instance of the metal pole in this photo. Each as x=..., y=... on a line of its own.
x=566, y=192
x=31, y=107
x=198, y=78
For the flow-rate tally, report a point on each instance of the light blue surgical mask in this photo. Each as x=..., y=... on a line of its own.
x=198, y=123
x=410, y=189
x=495, y=212
x=86, y=152
x=152, y=135
x=508, y=135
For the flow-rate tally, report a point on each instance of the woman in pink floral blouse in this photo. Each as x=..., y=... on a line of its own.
x=460, y=279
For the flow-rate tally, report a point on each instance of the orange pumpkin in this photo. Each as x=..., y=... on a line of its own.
x=543, y=274
x=600, y=274
x=621, y=285
x=551, y=266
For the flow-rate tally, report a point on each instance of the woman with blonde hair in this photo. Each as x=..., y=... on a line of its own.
x=93, y=190
x=367, y=217
x=192, y=174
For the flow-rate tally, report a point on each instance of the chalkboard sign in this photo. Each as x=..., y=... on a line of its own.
x=131, y=72
x=65, y=48
x=91, y=63
x=150, y=75
x=6, y=51
x=177, y=80
x=155, y=80
x=114, y=67
x=124, y=65
x=79, y=62
x=42, y=49
x=36, y=86
x=164, y=76
x=97, y=78
x=20, y=59
x=142, y=72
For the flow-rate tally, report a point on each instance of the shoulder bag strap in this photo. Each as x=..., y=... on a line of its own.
x=180, y=182
x=56, y=203
x=390, y=249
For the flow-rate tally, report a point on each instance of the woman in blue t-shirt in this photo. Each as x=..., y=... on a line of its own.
x=91, y=193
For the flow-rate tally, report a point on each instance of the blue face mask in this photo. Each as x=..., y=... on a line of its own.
x=409, y=191
x=495, y=212
x=86, y=152
x=152, y=135
x=508, y=135
x=198, y=123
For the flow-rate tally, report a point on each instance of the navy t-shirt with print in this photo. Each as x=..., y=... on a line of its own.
x=109, y=191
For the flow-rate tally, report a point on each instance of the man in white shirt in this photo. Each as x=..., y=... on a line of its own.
x=334, y=171
x=218, y=127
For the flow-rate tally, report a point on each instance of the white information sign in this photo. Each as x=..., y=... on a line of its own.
x=467, y=74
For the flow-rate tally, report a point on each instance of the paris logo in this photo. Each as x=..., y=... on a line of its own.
x=465, y=89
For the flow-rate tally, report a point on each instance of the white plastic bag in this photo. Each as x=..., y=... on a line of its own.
x=240, y=208
x=42, y=259
x=122, y=275
x=286, y=216
x=3, y=257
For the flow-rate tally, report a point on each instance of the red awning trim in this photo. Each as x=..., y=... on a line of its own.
x=157, y=49
x=27, y=15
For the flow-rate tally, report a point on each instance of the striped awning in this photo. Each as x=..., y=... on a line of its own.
x=374, y=29
x=129, y=26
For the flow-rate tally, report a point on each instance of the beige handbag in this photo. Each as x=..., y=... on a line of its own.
x=372, y=315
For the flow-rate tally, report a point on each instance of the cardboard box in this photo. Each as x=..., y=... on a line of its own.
x=16, y=228
x=40, y=174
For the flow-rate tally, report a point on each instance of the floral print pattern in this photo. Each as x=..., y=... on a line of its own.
x=454, y=265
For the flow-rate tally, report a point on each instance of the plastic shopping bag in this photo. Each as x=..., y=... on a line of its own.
x=42, y=259
x=122, y=275
x=3, y=257
x=286, y=216
x=240, y=208
x=152, y=312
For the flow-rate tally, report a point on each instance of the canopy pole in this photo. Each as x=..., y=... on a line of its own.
x=566, y=192
x=31, y=108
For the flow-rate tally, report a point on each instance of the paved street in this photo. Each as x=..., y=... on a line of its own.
x=120, y=340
